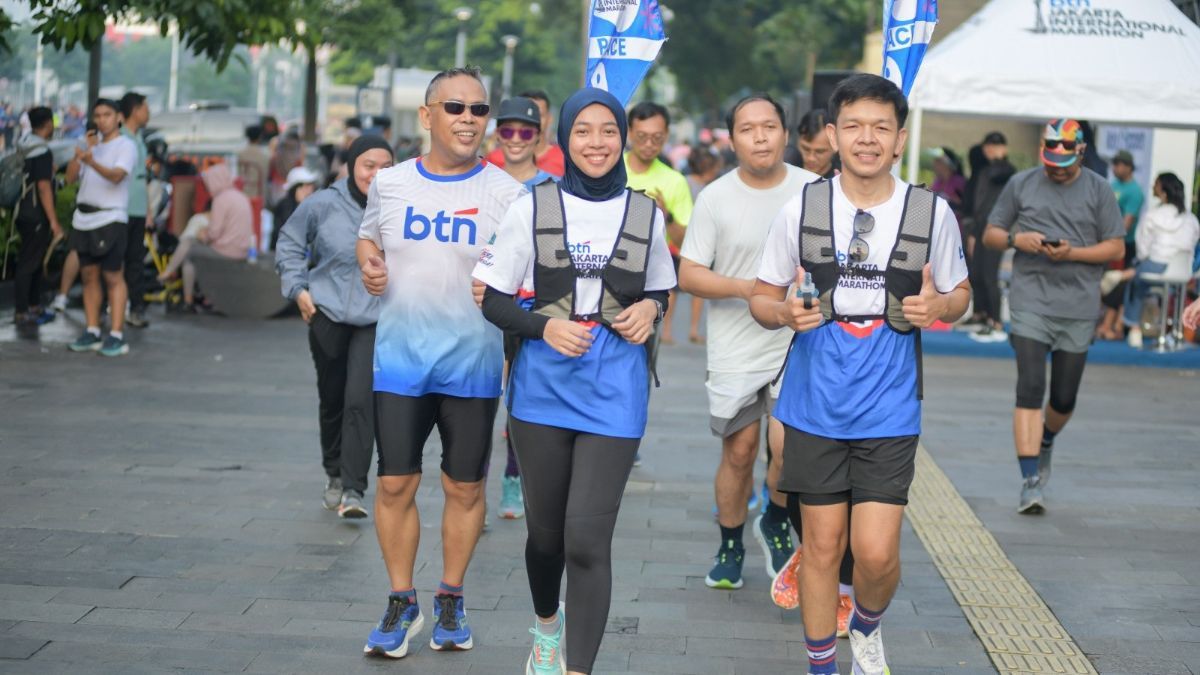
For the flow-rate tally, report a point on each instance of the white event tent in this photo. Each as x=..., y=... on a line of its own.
x=1127, y=62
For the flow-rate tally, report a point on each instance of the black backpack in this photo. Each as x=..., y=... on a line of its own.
x=13, y=186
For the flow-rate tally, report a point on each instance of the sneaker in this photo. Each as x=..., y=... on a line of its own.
x=351, y=505
x=333, y=493
x=727, y=570
x=450, y=629
x=785, y=589
x=512, y=504
x=988, y=334
x=845, y=609
x=60, y=304
x=400, y=622
x=137, y=319
x=1044, y=463
x=867, y=653
x=114, y=346
x=755, y=502
x=1031, y=497
x=637, y=459
x=776, y=542
x=546, y=658
x=88, y=342
x=1134, y=337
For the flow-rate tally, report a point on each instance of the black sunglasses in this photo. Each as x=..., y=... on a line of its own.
x=863, y=224
x=1052, y=143
x=507, y=133
x=457, y=108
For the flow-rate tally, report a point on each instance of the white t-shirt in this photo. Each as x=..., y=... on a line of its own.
x=859, y=295
x=727, y=233
x=431, y=338
x=591, y=234
x=96, y=190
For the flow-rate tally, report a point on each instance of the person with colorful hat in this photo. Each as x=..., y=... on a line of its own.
x=1065, y=225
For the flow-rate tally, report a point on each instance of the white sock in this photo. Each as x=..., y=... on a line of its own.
x=94, y=330
x=550, y=627
x=845, y=589
x=120, y=335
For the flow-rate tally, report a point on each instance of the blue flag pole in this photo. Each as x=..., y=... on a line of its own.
x=624, y=39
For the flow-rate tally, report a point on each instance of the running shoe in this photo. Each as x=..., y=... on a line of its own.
x=88, y=342
x=867, y=652
x=727, y=570
x=776, y=542
x=60, y=304
x=1031, y=497
x=785, y=589
x=137, y=319
x=988, y=334
x=1044, y=458
x=512, y=505
x=546, y=658
x=401, y=621
x=450, y=629
x=351, y=505
x=637, y=459
x=333, y=492
x=845, y=609
x=755, y=502
x=114, y=346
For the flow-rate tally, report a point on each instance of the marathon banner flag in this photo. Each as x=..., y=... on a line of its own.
x=624, y=38
x=907, y=29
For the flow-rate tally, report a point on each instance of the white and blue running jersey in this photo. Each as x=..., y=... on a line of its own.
x=431, y=338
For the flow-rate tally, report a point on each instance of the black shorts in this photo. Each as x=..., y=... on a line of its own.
x=403, y=424
x=829, y=471
x=103, y=246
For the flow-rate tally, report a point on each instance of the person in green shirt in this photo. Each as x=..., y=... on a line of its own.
x=135, y=114
x=1129, y=199
x=649, y=126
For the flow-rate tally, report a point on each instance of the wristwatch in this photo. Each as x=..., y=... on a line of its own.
x=1012, y=239
x=659, y=315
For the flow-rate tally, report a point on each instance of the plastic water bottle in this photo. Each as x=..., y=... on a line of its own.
x=252, y=254
x=807, y=290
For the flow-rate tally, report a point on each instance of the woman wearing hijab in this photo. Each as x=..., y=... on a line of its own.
x=592, y=256
x=341, y=318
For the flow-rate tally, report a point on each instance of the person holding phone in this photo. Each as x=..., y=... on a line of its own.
x=103, y=168
x=1065, y=226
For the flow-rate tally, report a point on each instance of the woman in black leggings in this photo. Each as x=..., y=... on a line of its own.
x=590, y=258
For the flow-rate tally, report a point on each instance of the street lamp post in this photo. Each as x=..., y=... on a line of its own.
x=463, y=14
x=510, y=43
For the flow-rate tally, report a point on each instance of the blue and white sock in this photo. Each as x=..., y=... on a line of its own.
x=822, y=655
x=864, y=620
x=1029, y=466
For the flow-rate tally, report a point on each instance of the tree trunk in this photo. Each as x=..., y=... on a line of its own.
x=310, y=97
x=94, y=54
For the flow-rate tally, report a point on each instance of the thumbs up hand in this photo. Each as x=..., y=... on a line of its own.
x=794, y=314
x=375, y=275
x=924, y=309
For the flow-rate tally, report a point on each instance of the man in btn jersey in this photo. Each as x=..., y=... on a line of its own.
x=886, y=260
x=437, y=361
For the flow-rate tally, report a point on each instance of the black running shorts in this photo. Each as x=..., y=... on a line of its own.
x=403, y=424
x=829, y=471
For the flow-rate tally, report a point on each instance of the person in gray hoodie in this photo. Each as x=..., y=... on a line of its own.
x=318, y=269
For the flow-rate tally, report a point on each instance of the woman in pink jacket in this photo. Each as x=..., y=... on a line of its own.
x=225, y=229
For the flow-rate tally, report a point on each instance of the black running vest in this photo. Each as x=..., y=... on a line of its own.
x=554, y=274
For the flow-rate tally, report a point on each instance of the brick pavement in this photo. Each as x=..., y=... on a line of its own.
x=188, y=534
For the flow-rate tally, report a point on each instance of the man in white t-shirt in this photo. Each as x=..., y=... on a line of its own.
x=719, y=261
x=884, y=260
x=437, y=360
x=98, y=226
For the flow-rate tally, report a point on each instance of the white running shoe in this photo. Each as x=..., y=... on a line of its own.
x=867, y=651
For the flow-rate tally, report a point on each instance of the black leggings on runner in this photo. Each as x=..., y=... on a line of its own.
x=846, y=571
x=1066, y=373
x=573, y=482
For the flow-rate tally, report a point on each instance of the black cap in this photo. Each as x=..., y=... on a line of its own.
x=520, y=109
x=1123, y=157
x=995, y=138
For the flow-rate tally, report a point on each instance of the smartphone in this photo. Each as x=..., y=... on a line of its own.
x=1053, y=243
x=91, y=126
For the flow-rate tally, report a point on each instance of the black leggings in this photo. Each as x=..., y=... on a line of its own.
x=1066, y=372
x=846, y=571
x=344, y=357
x=573, y=483
x=35, y=239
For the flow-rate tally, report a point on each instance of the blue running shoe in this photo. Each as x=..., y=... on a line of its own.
x=512, y=503
x=546, y=657
x=400, y=622
x=727, y=568
x=114, y=346
x=88, y=342
x=776, y=542
x=757, y=502
x=450, y=629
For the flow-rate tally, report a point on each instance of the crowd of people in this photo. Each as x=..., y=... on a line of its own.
x=542, y=274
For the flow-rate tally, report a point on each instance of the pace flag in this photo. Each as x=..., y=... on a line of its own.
x=624, y=38
x=907, y=29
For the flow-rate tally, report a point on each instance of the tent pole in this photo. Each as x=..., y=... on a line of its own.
x=914, y=145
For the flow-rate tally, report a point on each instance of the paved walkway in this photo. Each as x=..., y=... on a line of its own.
x=161, y=512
